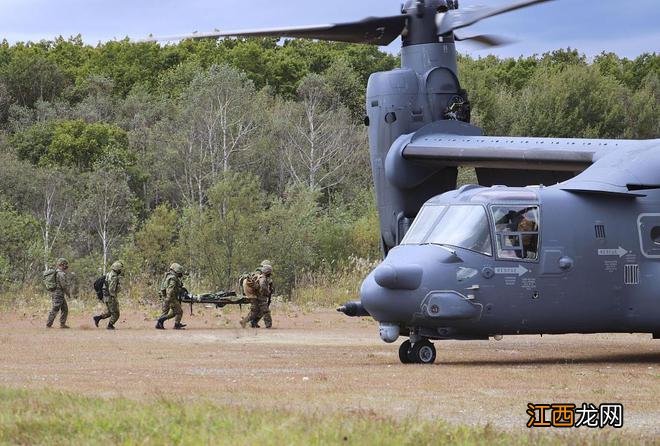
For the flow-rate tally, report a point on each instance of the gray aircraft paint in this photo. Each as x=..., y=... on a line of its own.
x=524, y=297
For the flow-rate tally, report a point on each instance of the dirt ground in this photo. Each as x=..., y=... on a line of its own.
x=323, y=362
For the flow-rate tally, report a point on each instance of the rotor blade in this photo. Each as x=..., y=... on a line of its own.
x=460, y=18
x=372, y=30
x=485, y=40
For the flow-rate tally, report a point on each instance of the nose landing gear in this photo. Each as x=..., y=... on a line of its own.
x=421, y=352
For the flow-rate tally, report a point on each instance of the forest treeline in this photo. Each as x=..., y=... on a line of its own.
x=219, y=154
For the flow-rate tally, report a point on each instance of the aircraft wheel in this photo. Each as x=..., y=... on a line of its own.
x=404, y=352
x=423, y=352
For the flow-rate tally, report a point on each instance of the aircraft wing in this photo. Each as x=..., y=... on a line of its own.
x=572, y=155
x=511, y=161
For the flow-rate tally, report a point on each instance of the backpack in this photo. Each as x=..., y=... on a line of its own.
x=162, y=292
x=249, y=281
x=50, y=279
x=99, y=284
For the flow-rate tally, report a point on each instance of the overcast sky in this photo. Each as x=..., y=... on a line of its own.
x=627, y=28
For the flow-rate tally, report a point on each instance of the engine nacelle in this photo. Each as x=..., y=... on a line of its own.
x=400, y=102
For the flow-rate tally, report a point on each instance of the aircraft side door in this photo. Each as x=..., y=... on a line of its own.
x=517, y=253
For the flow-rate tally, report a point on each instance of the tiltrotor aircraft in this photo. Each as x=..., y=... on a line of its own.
x=560, y=235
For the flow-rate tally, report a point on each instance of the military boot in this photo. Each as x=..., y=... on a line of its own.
x=243, y=323
x=254, y=324
x=159, y=324
x=64, y=326
x=179, y=326
x=96, y=320
x=111, y=327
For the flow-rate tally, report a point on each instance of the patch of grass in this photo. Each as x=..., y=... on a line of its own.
x=24, y=298
x=335, y=286
x=53, y=418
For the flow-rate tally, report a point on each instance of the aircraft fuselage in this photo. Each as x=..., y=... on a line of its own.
x=590, y=265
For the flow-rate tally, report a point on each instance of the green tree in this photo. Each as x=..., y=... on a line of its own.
x=105, y=210
x=289, y=231
x=51, y=207
x=319, y=140
x=31, y=76
x=5, y=102
x=564, y=58
x=98, y=103
x=221, y=110
x=347, y=88
x=33, y=143
x=127, y=64
x=222, y=239
x=574, y=102
x=156, y=242
x=80, y=145
x=74, y=144
x=19, y=252
x=643, y=110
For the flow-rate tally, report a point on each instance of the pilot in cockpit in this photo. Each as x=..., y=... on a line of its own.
x=529, y=241
x=508, y=222
x=518, y=233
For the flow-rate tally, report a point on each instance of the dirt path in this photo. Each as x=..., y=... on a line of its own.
x=324, y=362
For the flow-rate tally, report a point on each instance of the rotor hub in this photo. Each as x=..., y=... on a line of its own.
x=420, y=7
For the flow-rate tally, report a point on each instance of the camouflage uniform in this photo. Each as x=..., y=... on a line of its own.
x=110, y=293
x=59, y=300
x=171, y=289
x=260, y=307
x=251, y=293
x=266, y=289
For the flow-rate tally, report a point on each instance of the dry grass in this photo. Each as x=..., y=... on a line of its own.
x=328, y=289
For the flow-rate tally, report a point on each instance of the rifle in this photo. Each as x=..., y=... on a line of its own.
x=220, y=299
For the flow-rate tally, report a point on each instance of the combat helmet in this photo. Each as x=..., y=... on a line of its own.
x=62, y=261
x=118, y=266
x=178, y=269
x=266, y=262
x=267, y=269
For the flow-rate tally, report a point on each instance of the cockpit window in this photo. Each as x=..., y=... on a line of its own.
x=423, y=224
x=516, y=231
x=461, y=226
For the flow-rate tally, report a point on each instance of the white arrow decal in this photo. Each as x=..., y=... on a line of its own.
x=613, y=252
x=519, y=270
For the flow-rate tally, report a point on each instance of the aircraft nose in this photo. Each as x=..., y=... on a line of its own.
x=399, y=277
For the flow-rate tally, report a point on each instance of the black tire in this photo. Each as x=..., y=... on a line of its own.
x=423, y=352
x=404, y=352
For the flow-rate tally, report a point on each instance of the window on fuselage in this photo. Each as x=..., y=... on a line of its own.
x=516, y=231
x=461, y=226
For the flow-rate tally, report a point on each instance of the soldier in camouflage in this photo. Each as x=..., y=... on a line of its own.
x=262, y=295
x=250, y=291
x=58, y=295
x=170, y=290
x=266, y=289
x=271, y=286
x=111, y=290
